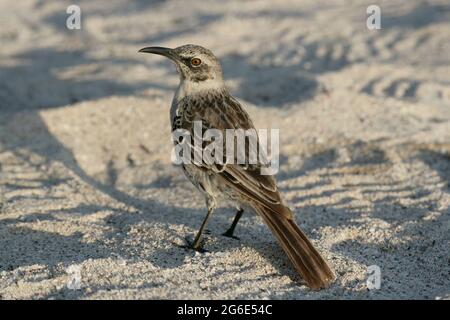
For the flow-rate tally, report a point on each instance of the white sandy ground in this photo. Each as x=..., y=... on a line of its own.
x=85, y=173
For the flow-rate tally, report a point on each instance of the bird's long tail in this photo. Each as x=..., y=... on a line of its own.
x=305, y=258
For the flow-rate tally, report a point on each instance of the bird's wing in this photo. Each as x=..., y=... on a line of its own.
x=224, y=112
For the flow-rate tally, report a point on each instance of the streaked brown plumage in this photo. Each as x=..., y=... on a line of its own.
x=202, y=96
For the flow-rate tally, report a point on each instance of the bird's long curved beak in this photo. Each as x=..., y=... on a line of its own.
x=166, y=52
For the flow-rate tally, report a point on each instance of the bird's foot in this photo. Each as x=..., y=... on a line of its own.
x=191, y=246
x=229, y=234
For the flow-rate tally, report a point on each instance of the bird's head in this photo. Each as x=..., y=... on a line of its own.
x=197, y=66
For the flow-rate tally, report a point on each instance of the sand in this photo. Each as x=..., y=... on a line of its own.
x=92, y=208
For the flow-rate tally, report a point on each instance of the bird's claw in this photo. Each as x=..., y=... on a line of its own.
x=230, y=235
x=190, y=246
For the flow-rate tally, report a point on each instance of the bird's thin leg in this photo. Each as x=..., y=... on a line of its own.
x=197, y=245
x=229, y=233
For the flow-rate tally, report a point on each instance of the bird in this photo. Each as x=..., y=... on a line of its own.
x=203, y=96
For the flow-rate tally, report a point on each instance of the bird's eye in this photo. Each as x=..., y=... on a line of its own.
x=196, y=62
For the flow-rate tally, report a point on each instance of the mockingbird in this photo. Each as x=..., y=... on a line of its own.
x=202, y=96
